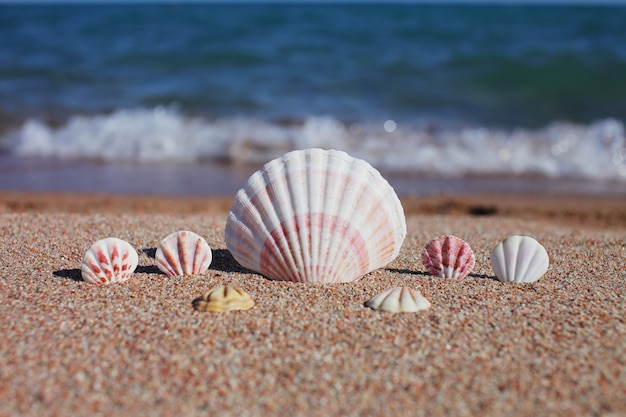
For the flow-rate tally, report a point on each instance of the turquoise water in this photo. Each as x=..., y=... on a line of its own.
x=505, y=65
x=424, y=90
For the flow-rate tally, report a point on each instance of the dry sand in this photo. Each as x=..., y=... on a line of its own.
x=555, y=347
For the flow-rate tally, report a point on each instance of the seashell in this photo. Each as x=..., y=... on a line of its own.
x=109, y=260
x=448, y=257
x=223, y=299
x=399, y=300
x=519, y=259
x=183, y=253
x=315, y=216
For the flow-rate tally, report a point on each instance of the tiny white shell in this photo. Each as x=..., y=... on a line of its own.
x=183, y=253
x=399, y=300
x=519, y=259
x=109, y=260
x=315, y=216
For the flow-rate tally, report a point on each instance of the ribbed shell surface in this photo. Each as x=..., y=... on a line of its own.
x=108, y=261
x=448, y=257
x=399, y=300
x=519, y=259
x=183, y=253
x=315, y=216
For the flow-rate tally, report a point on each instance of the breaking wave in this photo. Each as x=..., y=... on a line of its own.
x=596, y=151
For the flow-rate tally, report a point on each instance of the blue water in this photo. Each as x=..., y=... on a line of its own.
x=420, y=90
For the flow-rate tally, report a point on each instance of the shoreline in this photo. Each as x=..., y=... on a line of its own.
x=83, y=176
x=579, y=210
x=553, y=347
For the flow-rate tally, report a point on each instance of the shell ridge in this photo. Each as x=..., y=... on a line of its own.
x=537, y=265
x=90, y=260
x=252, y=242
x=317, y=183
x=198, y=258
x=283, y=245
x=446, y=252
x=276, y=264
x=406, y=297
x=523, y=260
x=345, y=211
x=497, y=262
x=332, y=205
x=351, y=194
x=435, y=251
x=289, y=193
x=323, y=257
x=377, y=300
x=379, y=252
x=393, y=300
x=461, y=259
x=531, y=271
x=109, y=257
x=511, y=251
x=379, y=186
x=203, y=255
x=291, y=252
x=183, y=255
x=385, y=191
x=171, y=261
x=298, y=190
x=368, y=221
x=104, y=262
x=376, y=225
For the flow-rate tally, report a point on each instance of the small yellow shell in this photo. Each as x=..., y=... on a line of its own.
x=223, y=299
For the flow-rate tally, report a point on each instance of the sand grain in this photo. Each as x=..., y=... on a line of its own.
x=554, y=347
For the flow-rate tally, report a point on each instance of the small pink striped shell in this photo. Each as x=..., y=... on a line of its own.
x=109, y=260
x=448, y=257
x=183, y=253
x=315, y=216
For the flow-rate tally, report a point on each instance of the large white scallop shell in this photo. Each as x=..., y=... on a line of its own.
x=315, y=216
x=519, y=259
x=183, y=253
x=399, y=300
x=109, y=260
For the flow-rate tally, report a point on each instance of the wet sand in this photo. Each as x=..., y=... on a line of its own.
x=554, y=347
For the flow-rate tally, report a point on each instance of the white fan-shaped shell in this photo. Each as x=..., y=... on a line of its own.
x=315, y=216
x=109, y=260
x=399, y=300
x=519, y=259
x=183, y=253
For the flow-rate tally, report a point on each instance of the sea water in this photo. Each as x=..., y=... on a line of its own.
x=191, y=98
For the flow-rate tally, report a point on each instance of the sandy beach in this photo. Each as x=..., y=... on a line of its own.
x=485, y=348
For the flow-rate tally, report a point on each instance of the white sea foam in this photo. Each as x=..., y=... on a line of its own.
x=560, y=150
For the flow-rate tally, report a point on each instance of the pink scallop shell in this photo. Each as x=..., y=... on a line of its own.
x=183, y=253
x=448, y=257
x=108, y=261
